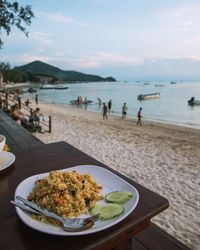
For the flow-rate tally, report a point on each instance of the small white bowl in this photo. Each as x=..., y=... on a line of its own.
x=2, y=142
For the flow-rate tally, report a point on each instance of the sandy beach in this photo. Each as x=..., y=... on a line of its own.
x=163, y=158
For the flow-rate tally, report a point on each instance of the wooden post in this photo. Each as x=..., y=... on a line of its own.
x=6, y=100
x=19, y=102
x=50, y=124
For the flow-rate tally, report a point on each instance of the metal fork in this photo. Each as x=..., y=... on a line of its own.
x=69, y=225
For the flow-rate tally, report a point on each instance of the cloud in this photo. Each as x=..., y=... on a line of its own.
x=58, y=17
x=180, y=11
x=42, y=37
x=182, y=18
x=19, y=59
x=61, y=18
x=88, y=63
x=91, y=60
x=59, y=54
x=29, y=58
x=192, y=41
x=192, y=46
x=97, y=59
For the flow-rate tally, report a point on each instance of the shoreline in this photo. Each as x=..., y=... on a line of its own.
x=149, y=122
x=164, y=158
x=15, y=85
x=131, y=117
x=153, y=121
x=164, y=110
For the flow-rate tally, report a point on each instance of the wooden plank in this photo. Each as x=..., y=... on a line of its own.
x=155, y=238
x=137, y=245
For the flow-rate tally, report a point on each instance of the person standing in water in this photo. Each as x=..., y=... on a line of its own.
x=105, y=111
x=124, y=111
x=109, y=106
x=139, y=116
x=36, y=99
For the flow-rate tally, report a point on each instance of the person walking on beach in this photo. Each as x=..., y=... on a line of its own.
x=99, y=100
x=109, y=106
x=105, y=111
x=139, y=116
x=36, y=99
x=124, y=111
x=27, y=102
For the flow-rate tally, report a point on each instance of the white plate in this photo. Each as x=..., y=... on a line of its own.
x=6, y=159
x=102, y=176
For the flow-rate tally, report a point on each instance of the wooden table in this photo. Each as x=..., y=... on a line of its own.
x=15, y=235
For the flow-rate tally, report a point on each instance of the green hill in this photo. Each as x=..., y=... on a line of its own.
x=39, y=68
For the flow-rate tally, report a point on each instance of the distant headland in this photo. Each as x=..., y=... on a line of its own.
x=38, y=71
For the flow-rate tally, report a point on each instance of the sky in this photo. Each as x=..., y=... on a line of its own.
x=126, y=39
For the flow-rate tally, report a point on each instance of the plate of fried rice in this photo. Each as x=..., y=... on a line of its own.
x=70, y=193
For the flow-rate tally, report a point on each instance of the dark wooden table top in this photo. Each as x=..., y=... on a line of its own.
x=16, y=235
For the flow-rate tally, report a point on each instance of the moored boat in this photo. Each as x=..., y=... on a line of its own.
x=159, y=85
x=60, y=86
x=47, y=86
x=193, y=102
x=148, y=96
x=31, y=90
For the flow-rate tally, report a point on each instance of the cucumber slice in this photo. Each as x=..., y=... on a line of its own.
x=118, y=197
x=107, y=211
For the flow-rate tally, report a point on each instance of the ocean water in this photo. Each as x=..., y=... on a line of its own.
x=171, y=107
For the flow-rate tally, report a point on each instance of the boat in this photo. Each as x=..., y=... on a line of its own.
x=159, y=85
x=193, y=102
x=172, y=82
x=31, y=90
x=148, y=96
x=61, y=86
x=47, y=86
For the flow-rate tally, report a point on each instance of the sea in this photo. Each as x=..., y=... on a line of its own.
x=172, y=106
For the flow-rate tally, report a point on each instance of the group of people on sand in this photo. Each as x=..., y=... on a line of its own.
x=32, y=124
x=107, y=109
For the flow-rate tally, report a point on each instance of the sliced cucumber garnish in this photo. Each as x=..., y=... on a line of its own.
x=107, y=211
x=119, y=197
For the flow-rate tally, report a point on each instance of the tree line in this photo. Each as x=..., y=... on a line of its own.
x=16, y=76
